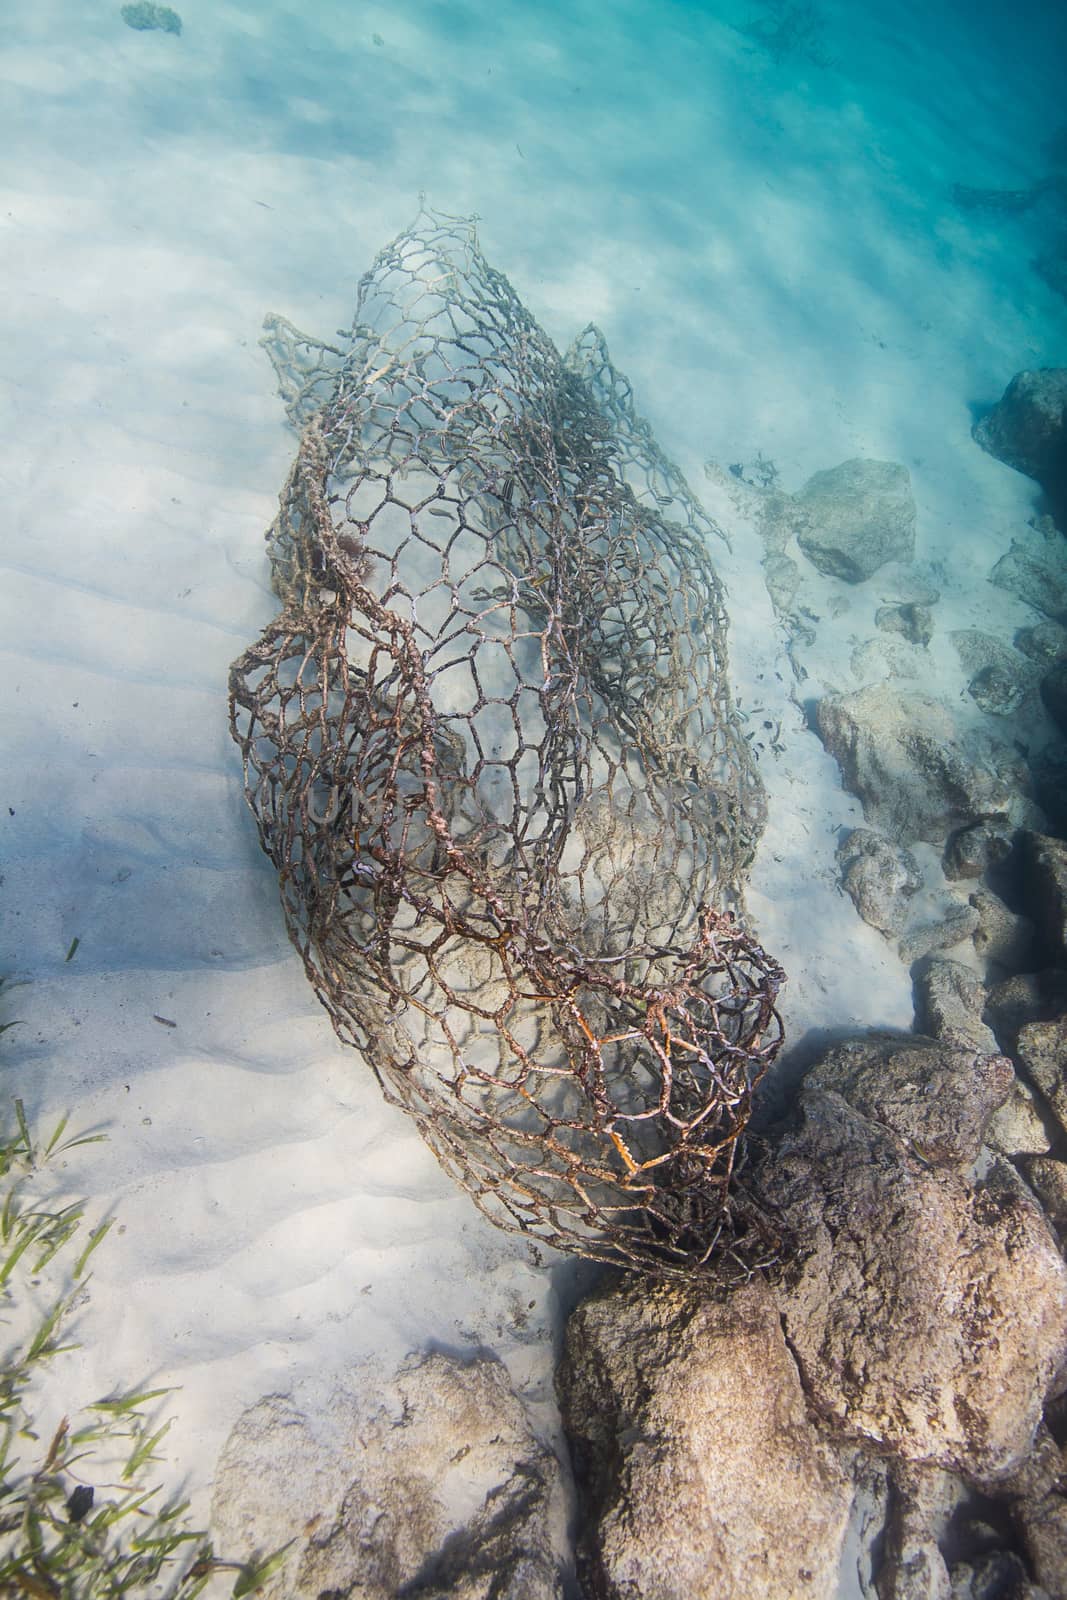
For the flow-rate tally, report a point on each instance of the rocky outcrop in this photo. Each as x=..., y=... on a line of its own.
x=1048, y=780
x=1045, y=879
x=879, y=877
x=854, y=518
x=917, y=775
x=1036, y=1496
x=935, y=1096
x=927, y=1313
x=949, y=998
x=1035, y=570
x=428, y=1483
x=782, y=577
x=1041, y=1052
x=1047, y=1177
x=1054, y=694
x=923, y=1305
x=912, y=619
x=704, y=1476
x=998, y=679
x=957, y=925
x=1044, y=643
x=1027, y=428
x=971, y=852
x=1003, y=938
x=1029, y=997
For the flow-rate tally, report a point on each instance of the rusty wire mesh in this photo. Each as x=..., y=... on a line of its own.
x=490, y=748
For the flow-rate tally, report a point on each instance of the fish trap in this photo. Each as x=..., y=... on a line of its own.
x=490, y=748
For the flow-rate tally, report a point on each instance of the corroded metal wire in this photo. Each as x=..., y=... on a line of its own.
x=490, y=748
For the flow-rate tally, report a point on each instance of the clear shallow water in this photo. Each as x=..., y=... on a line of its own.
x=770, y=242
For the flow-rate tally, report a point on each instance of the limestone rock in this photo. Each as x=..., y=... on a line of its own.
x=1017, y=1128
x=879, y=877
x=1043, y=1525
x=916, y=774
x=1035, y=570
x=856, y=517
x=914, y=621
x=782, y=577
x=1039, y=1510
x=1045, y=880
x=958, y=924
x=999, y=681
x=927, y=1314
x=935, y=1096
x=1042, y=1053
x=1048, y=780
x=426, y=1483
x=922, y=1506
x=1000, y=1575
x=877, y=659
x=1029, y=997
x=1002, y=937
x=971, y=852
x=1054, y=694
x=704, y=1475
x=1044, y=643
x=1048, y=1180
x=949, y=999
x=1027, y=428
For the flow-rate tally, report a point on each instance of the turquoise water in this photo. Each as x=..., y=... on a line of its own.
x=760, y=207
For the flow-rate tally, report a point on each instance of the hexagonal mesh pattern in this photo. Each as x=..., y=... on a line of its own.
x=490, y=748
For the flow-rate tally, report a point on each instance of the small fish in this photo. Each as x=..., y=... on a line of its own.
x=166, y=1021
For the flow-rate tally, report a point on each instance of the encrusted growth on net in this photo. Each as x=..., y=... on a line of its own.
x=490, y=748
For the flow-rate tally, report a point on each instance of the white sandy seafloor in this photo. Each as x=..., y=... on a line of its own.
x=774, y=256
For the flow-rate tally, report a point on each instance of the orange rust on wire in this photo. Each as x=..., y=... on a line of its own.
x=490, y=746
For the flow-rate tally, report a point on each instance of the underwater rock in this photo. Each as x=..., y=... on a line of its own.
x=1048, y=780
x=1027, y=428
x=1041, y=1051
x=927, y=1314
x=949, y=999
x=1043, y=642
x=144, y=16
x=917, y=775
x=1047, y=1177
x=1045, y=880
x=1043, y=1525
x=1039, y=1511
x=970, y=852
x=998, y=680
x=856, y=517
x=879, y=658
x=915, y=622
x=1054, y=694
x=427, y=1482
x=703, y=1476
x=999, y=1575
x=1035, y=571
x=996, y=691
x=879, y=877
x=958, y=924
x=1030, y=997
x=921, y=1506
x=1001, y=937
x=1017, y=1128
x=935, y=1095
x=782, y=577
